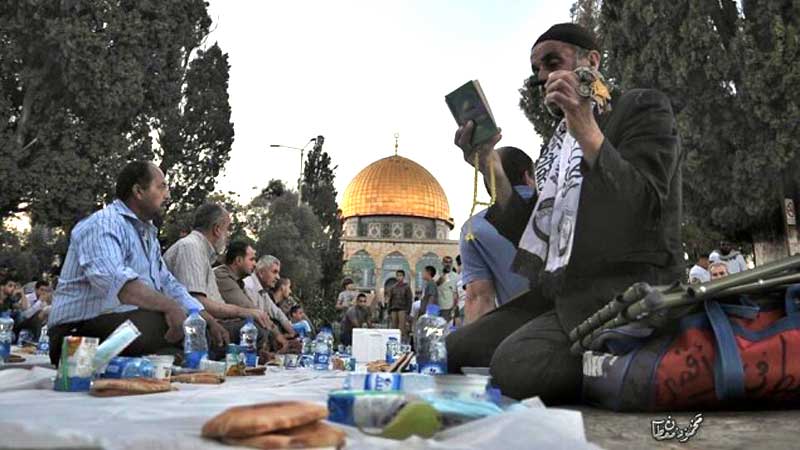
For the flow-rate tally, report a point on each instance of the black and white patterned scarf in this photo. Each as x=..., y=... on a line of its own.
x=546, y=243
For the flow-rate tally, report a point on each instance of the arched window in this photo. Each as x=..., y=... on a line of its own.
x=361, y=268
x=428, y=259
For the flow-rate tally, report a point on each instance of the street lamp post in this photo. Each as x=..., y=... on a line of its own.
x=302, y=155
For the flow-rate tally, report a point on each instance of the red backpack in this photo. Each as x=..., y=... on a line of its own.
x=732, y=354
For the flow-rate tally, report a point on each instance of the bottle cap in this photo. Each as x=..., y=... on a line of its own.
x=249, y=319
x=432, y=310
x=194, y=311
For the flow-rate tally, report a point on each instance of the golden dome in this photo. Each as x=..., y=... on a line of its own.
x=395, y=186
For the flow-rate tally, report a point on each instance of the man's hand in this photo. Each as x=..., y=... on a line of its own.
x=260, y=317
x=463, y=139
x=283, y=343
x=174, y=318
x=219, y=335
x=561, y=89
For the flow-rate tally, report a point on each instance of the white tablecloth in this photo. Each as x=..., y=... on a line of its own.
x=35, y=417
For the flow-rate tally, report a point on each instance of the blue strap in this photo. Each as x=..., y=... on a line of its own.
x=743, y=311
x=728, y=369
x=792, y=294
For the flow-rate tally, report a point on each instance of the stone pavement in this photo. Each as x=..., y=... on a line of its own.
x=762, y=430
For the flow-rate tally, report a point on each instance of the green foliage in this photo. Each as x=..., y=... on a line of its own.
x=320, y=194
x=732, y=79
x=84, y=85
x=294, y=235
x=32, y=254
x=731, y=76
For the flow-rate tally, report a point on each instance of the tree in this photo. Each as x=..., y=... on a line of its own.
x=295, y=236
x=83, y=88
x=732, y=80
x=320, y=194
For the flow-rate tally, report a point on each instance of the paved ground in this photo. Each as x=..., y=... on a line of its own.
x=720, y=430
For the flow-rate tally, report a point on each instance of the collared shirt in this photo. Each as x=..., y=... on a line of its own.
x=106, y=250
x=488, y=256
x=231, y=288
x=447, y=290
x=190, y=260
x=264, y=301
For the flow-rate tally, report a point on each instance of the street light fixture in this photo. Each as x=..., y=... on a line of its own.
x=302, y=155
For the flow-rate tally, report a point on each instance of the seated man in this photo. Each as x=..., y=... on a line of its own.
x=300, y=322
x=240, y=261
x=699, y=272
x=113, y=272
x=607, y=215
x=190, y=259
x=282, y=295
x=486, y=255
x=36, y=315
x=727, y=254
x=718, y=270
x=258, y=285
x=12, y=298
x=355, y=317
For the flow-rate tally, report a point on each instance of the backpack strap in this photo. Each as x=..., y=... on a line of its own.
x=728, y=369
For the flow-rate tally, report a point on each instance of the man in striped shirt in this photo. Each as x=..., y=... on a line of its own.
x=114, y=272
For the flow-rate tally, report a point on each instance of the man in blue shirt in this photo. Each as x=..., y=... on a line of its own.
x=486, y=255
x=114, y=272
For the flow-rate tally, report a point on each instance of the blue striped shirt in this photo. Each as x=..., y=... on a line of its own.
x=106, y=250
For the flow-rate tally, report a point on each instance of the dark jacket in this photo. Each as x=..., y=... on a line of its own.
x=400, y=297
x=628, y=226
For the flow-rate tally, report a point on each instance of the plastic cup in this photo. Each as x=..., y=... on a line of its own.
x=290, y=361
x=281, y=359
x=162, y=364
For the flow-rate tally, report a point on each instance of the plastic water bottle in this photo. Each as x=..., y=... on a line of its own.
x=248, y=336
x=195, y=345
x=407, y=382
x=6, y=335
x=43, y=348
x=392, y=349
x=322, y=352
x=328, y=334
x=126, y=367
x=429, y=333
x=25, y=336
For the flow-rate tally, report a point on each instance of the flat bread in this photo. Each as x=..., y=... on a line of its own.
x=260, y=370
x=255, y=420
x=312, y=435
x=108, y=387
x=198, y=378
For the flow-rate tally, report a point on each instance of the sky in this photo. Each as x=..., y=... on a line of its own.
x=357, y=72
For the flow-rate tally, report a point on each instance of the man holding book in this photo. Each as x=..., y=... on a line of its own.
x=606, y=214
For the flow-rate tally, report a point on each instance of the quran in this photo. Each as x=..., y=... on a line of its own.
x=469, y=103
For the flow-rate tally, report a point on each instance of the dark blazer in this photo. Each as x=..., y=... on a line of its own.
x=629, y=216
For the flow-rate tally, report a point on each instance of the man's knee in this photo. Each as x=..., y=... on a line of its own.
x=524, y=368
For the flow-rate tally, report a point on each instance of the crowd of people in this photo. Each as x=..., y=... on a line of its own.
x=598, y=211
x=114, y=271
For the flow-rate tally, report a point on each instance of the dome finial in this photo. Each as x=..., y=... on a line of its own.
x=396, y=142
